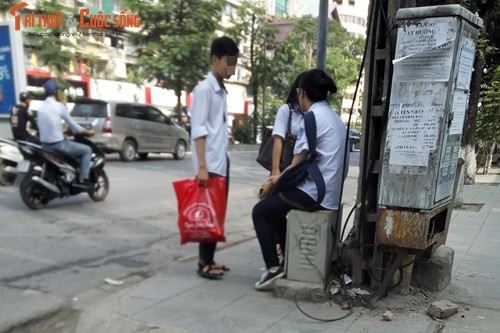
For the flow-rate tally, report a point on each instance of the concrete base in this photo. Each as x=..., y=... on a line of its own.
x=434, y=273
x=302, y=291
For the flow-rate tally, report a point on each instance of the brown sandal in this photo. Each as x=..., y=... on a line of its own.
x=215, y=265
x=209, y=272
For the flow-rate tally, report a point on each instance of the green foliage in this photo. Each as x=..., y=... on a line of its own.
x=249, y=28
x=488, y=124
x=243, y=132
x=488, y=50
x=174, y=39
x=298, y=53
x=5, y=5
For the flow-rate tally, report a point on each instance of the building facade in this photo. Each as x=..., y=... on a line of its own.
x=102, y=57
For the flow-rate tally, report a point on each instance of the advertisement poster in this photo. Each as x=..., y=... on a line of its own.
x=466, y=64
x=7, y=84
x=460, y=102
x=425, y=50
x=413, y=128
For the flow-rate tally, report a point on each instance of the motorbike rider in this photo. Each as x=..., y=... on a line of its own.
x=19, y=117
x=50, y=113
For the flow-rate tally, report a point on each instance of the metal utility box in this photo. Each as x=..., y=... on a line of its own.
x=310, y=240
x=432, y=70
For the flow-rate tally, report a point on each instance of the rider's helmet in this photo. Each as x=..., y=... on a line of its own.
x=25, y=95
x=50, y=87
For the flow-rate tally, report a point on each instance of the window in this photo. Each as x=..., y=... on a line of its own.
x=95, y=110
x=139, y=112
x=117, y=5
x=123, y=110
x=156, y=115
x=94, y=3
x=353, y=19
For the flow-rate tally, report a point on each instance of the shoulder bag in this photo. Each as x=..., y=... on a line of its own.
x=265, y=156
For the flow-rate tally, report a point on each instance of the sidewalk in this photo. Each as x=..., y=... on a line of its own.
x=178, y=300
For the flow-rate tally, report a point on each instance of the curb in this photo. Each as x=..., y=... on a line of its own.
x=48, y=309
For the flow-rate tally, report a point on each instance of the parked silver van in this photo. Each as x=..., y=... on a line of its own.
x=131, y=129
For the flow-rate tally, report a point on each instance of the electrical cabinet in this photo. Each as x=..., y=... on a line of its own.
x=432, y=68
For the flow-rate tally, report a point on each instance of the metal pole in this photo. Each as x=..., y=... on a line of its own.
x=322, y=33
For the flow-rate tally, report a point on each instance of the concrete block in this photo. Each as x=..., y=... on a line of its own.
x=310, y=238
x=434, y=273
x=302, y=291
x=442, y=309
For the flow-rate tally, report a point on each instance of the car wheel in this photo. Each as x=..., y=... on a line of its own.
x=351, y=146
x=180, y=150
x=143, y=156
x=129, y=151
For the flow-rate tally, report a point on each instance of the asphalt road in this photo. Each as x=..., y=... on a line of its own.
x=74, y=243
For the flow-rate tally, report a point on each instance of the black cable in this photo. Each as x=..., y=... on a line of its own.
x=321, y=319
x=345, y=223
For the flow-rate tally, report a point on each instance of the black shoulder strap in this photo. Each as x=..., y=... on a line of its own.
x=312, y=169
x=310, y=128
x=289, y=126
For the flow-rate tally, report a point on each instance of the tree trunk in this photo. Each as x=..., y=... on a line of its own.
x=254, y=81
x=469, y=137
x=178, y=92
x=255, y=92
x=489, y=159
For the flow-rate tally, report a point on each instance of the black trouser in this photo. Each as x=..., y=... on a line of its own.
x=269, y=220
x=207, y=250
x=26, y=137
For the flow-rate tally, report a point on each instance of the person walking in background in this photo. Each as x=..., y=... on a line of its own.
x=19, y=118
x=209, y=134
x=269, y=214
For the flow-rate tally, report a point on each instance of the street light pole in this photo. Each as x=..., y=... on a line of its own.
x=322, y=33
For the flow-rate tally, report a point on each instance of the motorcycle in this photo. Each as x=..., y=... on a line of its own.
x=10, y=156
x=48, y=174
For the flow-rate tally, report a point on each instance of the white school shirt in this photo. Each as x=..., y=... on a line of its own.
x=330, y=148
x=209, y=118
x=49, y=117
x=281, y=121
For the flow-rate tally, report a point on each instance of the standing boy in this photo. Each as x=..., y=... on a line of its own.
x=209, y=134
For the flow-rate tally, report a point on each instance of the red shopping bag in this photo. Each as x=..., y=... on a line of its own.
x=201, y=210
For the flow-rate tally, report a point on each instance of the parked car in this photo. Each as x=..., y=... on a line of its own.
x=354, y=139
x=131, y=129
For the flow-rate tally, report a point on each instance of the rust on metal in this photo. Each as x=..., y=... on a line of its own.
x=404, y=229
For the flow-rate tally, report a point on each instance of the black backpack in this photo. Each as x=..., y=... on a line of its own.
x=293, y=176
